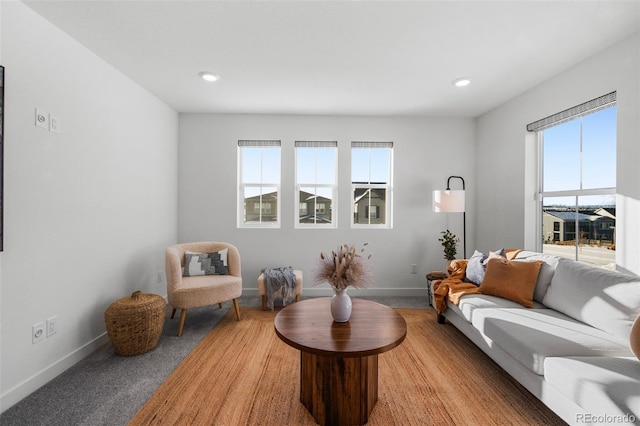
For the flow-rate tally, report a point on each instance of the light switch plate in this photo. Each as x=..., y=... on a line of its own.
x=54, y=123
x=42, y=118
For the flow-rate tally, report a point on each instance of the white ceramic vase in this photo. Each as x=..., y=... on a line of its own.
x=341, y=305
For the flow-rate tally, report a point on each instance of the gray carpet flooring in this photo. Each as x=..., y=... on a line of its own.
x=108, y=389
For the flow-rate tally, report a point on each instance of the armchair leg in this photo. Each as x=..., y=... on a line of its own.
x=173, y=313
x=264, y=302
x=220, y=305
x=237, y=308
x=183, y=316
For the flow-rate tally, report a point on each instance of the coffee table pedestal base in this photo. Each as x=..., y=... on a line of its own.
x=339, y=391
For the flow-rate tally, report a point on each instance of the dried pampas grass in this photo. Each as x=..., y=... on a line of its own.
x=344, y=268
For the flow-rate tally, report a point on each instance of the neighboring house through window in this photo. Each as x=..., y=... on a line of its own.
x=316, y=189
x=371, y=183
x=577, y=185
x=259, y=183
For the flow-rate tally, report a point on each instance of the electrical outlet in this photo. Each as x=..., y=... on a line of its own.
x=160, y=277
x=52, y=326
x=37, y=332
x=414, y=268
x=42, y=118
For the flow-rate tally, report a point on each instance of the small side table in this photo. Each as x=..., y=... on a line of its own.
x=430, y=279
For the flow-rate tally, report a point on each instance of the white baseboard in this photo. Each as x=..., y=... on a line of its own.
x=44, y=376
x=356, y=292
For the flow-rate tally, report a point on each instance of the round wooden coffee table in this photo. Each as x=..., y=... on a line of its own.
x=339, y=361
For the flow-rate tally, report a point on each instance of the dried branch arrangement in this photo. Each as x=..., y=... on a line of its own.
x=343, y=268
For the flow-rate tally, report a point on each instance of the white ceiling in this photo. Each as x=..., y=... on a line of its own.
x=342, y=57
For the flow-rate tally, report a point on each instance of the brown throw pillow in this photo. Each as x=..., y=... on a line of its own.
x=511, y=280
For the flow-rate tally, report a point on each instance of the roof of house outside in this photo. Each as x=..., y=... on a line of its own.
x=582, y=217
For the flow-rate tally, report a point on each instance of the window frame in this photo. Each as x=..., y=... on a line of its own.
x=388, y=187
x=333, y=187
x=242, y=186
x=597, y=105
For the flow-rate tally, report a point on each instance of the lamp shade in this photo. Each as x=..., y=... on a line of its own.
x=448, y=201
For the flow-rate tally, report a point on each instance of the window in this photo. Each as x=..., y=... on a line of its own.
x=577, y=151
x=371, y=173
x=259, y=183
x=372, y=212
x=316, y=189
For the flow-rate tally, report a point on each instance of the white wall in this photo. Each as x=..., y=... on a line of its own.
x=1, y=322
x=88, y=211
x=426, y=152
x=503, y=187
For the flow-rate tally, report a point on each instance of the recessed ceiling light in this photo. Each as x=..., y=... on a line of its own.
x=209, y=76
x=461, y=82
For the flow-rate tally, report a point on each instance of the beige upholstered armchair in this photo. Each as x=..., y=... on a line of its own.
x=187, y=287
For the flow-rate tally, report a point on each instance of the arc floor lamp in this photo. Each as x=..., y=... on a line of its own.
x=452, y=201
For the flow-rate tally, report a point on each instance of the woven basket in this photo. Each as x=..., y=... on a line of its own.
x=134, y=324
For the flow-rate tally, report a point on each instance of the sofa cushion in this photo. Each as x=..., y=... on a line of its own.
x=602, y=385
x=512, y=280
x=198, y=291
x=546, y=271
x=601, y=298
x=470, y=302
x=531, y=335
x=477, y=265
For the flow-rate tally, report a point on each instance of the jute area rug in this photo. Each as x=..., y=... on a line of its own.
x=241, y=373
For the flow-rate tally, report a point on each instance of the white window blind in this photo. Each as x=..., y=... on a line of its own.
x=316, y=144
x=583, y=109
x=258, y=143
x=367, y=144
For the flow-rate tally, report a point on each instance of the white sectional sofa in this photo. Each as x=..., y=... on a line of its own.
x=571, y=350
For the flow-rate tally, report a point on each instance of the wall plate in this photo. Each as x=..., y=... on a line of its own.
x=54, y=123
x=37, y=332
x=42, y=118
